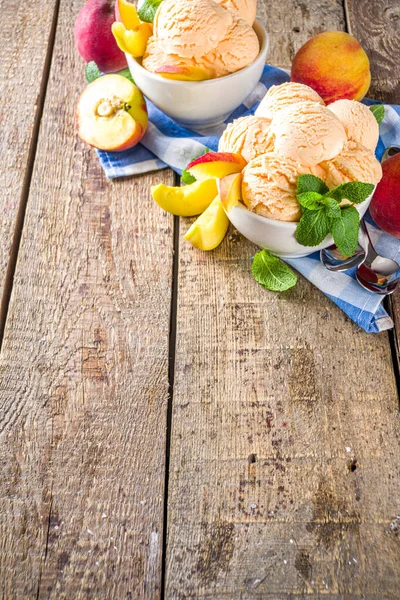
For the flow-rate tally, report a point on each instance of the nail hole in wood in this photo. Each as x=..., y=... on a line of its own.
x=352, y=465
x=296, y=29
x=252, y=458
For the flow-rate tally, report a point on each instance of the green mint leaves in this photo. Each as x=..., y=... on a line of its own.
x=378, y=110
x=92, y=71
x=322, y=213
x=148, y=10
x=270, y=272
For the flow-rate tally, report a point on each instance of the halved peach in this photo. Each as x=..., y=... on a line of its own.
x=126, y=13
x=112, y=114
x=186, y=201
x=181, y=73
x=216, y=164
x=208, y=231
x=230, y=190
x=133, y=42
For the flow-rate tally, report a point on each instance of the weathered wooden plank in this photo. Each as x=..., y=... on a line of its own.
x=25, y=32
x=375, y=24
x=284, y=457
x=84, y=370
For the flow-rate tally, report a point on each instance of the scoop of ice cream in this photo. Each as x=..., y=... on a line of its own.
x=155, y=58
x=248, y=136
x=354, y=163
x=308, y=133
x=191, y=29
x=245, y=9
x=359, y=122
x=284, y=95
x=269, y=186
x=239, y=48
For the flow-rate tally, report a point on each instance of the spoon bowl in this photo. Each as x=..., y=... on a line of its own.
x=333, y=259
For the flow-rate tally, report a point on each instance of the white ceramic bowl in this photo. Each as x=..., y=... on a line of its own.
x=201, y=104
x=278, y=236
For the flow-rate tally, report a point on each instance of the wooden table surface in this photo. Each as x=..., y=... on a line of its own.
x=168, y=428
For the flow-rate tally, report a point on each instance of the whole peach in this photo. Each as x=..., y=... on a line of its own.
x=385, y=204
x=93, y=36
x=335, y=65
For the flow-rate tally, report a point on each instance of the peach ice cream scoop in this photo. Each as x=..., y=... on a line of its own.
x=249, y=136
x=191, y=29
x=236, y=50
x=308, y=133
x=354, y=163
x=245, y=9
x=156, y=61
x=358, y=121
x=269, y=186
x=284, y=95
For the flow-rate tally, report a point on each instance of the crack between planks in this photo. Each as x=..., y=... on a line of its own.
x=19, y=223
x=43, y=561
x=394, y=345
x=171, y=378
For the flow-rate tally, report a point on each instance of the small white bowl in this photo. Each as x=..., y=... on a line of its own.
x=201, y=104
x=278, y=236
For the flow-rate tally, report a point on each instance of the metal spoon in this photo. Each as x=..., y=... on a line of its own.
x=333, y=259
x=377, y=274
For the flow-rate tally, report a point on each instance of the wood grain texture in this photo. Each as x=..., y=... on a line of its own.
x=376, y=25
x=284, y=479
x=25, y=29
x=84, y=370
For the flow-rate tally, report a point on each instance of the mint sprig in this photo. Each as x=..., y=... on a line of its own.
x=378, y=110
x=92, y=71
x=270, y=272
x=148, y=10
x=322, y=213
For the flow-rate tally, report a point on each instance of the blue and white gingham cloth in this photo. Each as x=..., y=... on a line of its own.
x=168, y=144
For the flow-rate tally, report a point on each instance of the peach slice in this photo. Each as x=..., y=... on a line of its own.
x=111, y=114
x=230, y=190
x=216, y=164
x=208, y=231
x=188, y=73
x=127, y=14
x=186, y=201
x=132, y=42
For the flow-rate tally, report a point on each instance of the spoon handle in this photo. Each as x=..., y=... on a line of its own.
x=371, y=253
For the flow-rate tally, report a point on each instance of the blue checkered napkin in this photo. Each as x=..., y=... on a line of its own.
x=168, y=144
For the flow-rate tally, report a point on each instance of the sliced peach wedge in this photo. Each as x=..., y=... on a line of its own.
x=134, y=41
x=111, y=114
x=126, y=13
x=183, y=73
x=208, y=231
x=216, y=164
x=186, y=201
x=230, y=190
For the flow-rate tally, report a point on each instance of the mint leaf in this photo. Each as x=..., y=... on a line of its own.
x=313, y=227
x=354, y=191
x=311, y=183
x=127, y=74
x=310, y=200
x=332, y=208
x=345, y=230
x=187, y=178
x=92, y=71
x=148, y=10
x=378, y=110
x=270, y=272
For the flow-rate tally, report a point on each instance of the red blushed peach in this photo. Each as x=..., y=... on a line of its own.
x=216, y=164
x=188, y=73
x=111, y=114
x=335, y=65
x=385, y=204
x=94, y=39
